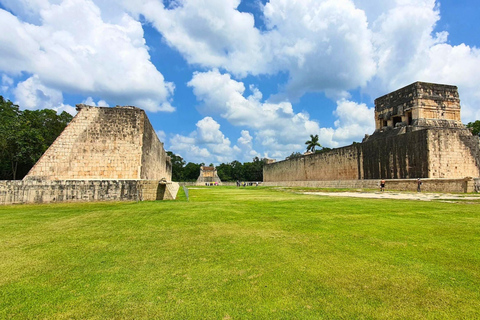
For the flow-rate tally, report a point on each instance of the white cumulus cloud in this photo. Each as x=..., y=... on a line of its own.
x=72, y=49
x=206, y=144
x=32, y=94
x=276, y=127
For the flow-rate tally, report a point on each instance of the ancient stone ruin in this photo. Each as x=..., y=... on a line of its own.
x=418, y=135
x=103, y=154
x=208, y=176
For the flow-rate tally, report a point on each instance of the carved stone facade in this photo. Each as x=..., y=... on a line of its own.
x=105, y=143
x=418, y=135
x=419, y=105
x=208, y=175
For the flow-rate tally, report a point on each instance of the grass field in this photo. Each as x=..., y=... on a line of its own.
x=248, y=253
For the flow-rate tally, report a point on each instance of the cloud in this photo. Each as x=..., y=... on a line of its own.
x=208, y=33
x=6, y=84
x=354, y=121
x=245, y=144
x=162, y=136
x=32, y=94
x=324, y=45
x=90, y=102
x=276, y=127
x=321, y=44
x=329, y=46
x=74, y=50
x=408, y=50
x=206, y=144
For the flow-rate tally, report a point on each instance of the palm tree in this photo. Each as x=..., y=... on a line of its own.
x=312, y=143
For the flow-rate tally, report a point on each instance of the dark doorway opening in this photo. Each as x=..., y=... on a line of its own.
x=396, y=120
x=409, y=118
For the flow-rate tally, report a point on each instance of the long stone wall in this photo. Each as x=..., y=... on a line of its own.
x=428, y=185
x=47, y=191
x=341, y=164
x=400, y=153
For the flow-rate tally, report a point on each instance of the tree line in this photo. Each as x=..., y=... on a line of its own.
x=231, y=171
x=25, y=136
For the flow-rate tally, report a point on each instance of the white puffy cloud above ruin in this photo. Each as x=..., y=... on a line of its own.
x=231, y=79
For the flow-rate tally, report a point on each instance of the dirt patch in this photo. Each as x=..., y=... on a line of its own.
x=400, y=196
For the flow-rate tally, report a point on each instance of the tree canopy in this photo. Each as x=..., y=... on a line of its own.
x=25, y=136
x=474, y=127
x=232, y=171
x=313, y=143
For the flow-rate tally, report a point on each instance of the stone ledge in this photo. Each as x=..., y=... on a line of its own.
x=48, y=191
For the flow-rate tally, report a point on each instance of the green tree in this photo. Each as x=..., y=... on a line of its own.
x=237, y=170
x=225, y=172
x=191, y=171
x=253, y=171
x=294, y=155
x=25, y=136
x=474, y=127
x=178, y=165
x=313, y=143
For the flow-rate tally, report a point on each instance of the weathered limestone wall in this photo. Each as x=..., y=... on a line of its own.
x=155, y=161
x=47, y=191
x=105, y=143
x=338, y=164
x=428, y=185
x=393, y=155
x=396, y=154
x=453, y=153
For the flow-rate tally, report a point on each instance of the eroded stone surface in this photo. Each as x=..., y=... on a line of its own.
x=105, y=143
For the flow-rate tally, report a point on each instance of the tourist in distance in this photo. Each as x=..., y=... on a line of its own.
x=419, y=183
x=382, y=185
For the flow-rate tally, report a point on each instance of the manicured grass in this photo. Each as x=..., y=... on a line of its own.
x=246, y=253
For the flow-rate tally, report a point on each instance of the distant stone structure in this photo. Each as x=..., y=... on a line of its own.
x=418, y=135
x=208, y=175
x=103, y=154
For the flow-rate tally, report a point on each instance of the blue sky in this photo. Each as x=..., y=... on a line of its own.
x=225, y=80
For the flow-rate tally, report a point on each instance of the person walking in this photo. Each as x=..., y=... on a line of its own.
x=382, y=185
x=419, y=183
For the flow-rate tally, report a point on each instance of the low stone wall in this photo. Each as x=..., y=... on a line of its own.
x=223, y=183
x=47, y=191
x=428, y=185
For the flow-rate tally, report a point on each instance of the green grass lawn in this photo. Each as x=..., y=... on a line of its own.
x=247, y=253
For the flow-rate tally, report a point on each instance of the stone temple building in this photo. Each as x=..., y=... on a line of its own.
x=418, y=134
x=103, y=154
x=208, y=175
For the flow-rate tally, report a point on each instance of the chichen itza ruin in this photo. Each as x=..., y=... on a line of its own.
x=114, y=154
x=103, y=154
x=418, y=135
x=208, y=175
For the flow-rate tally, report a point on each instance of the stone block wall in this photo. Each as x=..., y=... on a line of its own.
x=156, y=164
x=48, y=191
x=338, y=164
x=453, y=153
x=105, y=143
x=396, y=154
x=428, y=185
